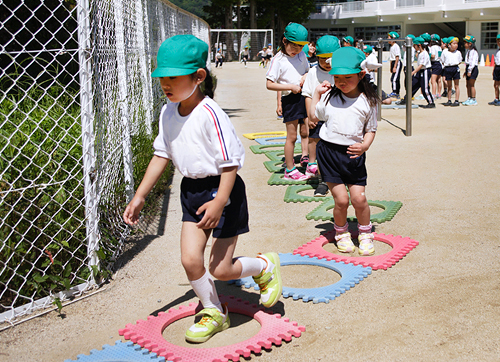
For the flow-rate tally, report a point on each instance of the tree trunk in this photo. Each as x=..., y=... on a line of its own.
x=228, y=24
x=253, y=9
x=238, y=14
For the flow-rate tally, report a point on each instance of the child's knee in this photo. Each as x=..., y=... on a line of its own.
x=191, y=262
x=219, y=272
x=359, y=201
x=342, y=202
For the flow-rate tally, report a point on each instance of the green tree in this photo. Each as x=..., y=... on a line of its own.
x=193, y=6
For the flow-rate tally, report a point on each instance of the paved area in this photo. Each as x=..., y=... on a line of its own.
x=440, y=302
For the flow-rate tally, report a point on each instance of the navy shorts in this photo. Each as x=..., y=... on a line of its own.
x=437, y=68
x=337, y=167
x=474, y=73
x=196, y=192
x=314, y=132
x=294, y=107
x=496, y=73
x=452, y=72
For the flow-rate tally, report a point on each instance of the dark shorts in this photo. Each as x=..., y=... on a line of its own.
x=314, y=132
x=496, y=73
x=451, y=73
x=269, y=56
x=196, y=192
x=437, y=68
x=294, y=107
x=474, y=73
x=337, y=167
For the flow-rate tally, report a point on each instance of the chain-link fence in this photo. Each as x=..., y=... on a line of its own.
x=77, y=111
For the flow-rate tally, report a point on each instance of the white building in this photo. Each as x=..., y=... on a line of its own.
x=370, y=20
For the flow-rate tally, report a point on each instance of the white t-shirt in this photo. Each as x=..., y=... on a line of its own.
x=452, y=58
x=269, y=51
x=287, y=70
x=262, y=53
x=315, y=77
x=200, y=144
x=371, y=59
x=443, y=51
x=497, y=57
x=436, y=51
x=346, y=123
x=394, y=52
x=472, y=59
x=424, y=59
x=412, y=56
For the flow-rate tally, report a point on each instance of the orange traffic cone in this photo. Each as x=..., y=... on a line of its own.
x=487, y=62
x=492, y=63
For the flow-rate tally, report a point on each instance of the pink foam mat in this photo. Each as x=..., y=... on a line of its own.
x=400, y=247
x=274, y=329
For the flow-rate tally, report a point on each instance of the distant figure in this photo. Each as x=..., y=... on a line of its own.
x=219, y=58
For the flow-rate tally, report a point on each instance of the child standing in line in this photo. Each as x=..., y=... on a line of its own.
x=212, y=194
x=325, y=47
x=287, y=74
x=471, y=70
x=349, y=110
x=444, y=49
x=496, y=75
x=452, y=59
x=437, y=69
x=395, y=59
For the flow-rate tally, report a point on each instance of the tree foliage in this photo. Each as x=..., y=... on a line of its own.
x=193, y=6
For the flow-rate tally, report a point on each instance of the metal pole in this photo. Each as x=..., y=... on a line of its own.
x=409, y=91
x=379, y=79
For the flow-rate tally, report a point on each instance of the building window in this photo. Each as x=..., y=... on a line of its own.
x=489, y=33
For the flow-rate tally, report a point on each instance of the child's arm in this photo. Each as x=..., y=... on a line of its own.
x=279, y=110
x=359, y=148
x=280, y=87
x=320, y=89
x=213, y=209
x=417, y=69
x=155, y=169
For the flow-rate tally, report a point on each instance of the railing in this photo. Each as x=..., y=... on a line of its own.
x=409, y=3
x=77, y=110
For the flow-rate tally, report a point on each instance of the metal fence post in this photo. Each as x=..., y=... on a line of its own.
x=88, y=138
x=379, y=79
x=141, y=13
x=409, y=90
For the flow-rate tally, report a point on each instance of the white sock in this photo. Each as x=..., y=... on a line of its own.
x=206, y=292
x=251, y=266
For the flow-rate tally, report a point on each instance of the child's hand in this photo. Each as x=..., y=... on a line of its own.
x=302, y=80
x=323, y=87
x=356, y=150
x=296, y=88
x=213, y=211
x=313, y=122
x=279, y=110
x=131, y=214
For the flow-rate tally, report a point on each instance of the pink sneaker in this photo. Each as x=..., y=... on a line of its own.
x=312, y=170
x=295, y=175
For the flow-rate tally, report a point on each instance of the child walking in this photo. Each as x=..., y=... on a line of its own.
x=471, y=69
x=451, y=59
x=349, y=109
x=213, y=196
x=287, y=74
x=496, y=75
x=325, y=46
x=395, y=59
x=437, y=68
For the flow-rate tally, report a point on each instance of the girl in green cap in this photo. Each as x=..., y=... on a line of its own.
x=349, y=109
x=471, y=69
x=287, y=74
x=196, y=134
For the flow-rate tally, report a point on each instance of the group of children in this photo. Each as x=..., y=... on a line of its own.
x=334, y=99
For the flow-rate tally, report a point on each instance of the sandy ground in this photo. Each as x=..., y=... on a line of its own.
x=440, y=302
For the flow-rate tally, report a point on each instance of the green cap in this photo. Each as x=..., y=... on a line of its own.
x=367, y=49
x=305, y=49
x=446, y=40
x=326, y=45
x=426, y=37
x=411, y=36
x=470, y=39
x=181, y=55
x=348, y=39
x=435, y=37
x=498, y=36
x=393, y=35
x=347, y=60
x=296, y=33
x=418, y=40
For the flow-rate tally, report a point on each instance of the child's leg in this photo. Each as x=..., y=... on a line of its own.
x=362, y=209
x=448, y=86
x=457, y=89
x=438, y=81
x=304, y=137
x=434, y=83
x=313, y=142
x=342, y=235
x=496, y=87
x=472, y=88
x=291, y=138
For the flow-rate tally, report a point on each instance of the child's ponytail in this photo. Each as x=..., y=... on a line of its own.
x=208, y=85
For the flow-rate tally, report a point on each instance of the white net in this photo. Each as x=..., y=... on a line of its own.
x=77, y=119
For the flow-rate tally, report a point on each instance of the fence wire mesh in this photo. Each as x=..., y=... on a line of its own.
x=77, y=111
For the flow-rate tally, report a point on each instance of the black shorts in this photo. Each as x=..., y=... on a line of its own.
x=196, y=192
x=337, y=167
x=496, y=73
x=294, y=107
x=474, y=73
x=437, y=68
x=269, y=56
x=314, y=132
x=452, y=72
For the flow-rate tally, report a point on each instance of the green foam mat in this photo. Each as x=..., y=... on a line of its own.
x=390, y=209
x=274, y=166
x=259, y=149
x=277, y=179
x=292, y=194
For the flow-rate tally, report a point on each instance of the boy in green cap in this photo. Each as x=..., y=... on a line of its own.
x=196, y=134
x=349, y=109
x=325, y=46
